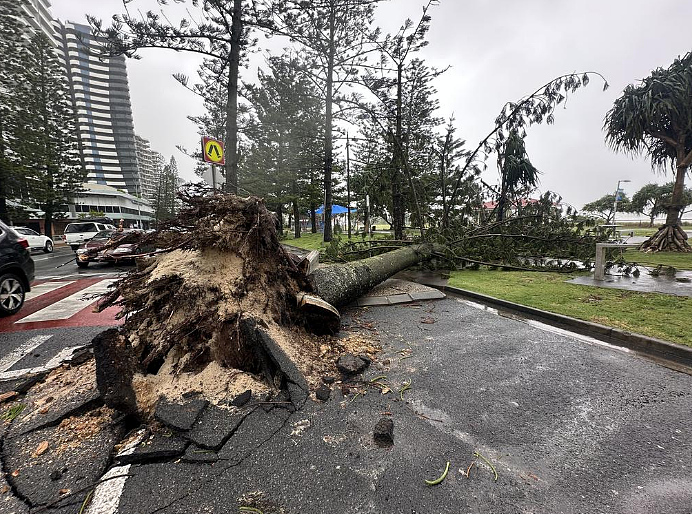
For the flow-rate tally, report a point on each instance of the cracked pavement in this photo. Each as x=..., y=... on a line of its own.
x=569, y=425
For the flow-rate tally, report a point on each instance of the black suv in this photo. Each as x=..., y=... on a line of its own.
x=16, y=270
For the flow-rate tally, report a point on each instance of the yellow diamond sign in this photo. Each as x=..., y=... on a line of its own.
x=212, y=149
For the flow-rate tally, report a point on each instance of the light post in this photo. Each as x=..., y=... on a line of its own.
x=615, y=202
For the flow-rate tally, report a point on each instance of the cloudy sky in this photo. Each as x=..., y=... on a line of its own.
x=498, y=51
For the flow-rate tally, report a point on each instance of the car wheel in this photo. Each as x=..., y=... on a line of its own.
x=11, y=294
x=82, y=264
x=49, y=247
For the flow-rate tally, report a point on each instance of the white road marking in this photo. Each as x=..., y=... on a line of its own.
x=68, y=307
x=18, y=353
x=42, y=289
x=574, y=335
x=549, y=328
x=53, y=363
x=107, y=495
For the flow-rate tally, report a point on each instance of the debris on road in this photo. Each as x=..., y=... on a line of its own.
x=441, y=478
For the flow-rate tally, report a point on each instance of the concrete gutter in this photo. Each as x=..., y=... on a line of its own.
x=671, y=355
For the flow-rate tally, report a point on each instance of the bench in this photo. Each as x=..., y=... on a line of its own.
x=599, y=269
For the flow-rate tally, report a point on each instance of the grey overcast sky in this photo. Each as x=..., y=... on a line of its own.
x=498, y=51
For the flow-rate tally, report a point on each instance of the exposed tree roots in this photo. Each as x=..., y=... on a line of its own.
x=667, y=238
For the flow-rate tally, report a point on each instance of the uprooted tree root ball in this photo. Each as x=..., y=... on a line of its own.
x=218, y=274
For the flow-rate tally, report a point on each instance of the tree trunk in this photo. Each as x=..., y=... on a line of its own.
x=397, y=196
x=328, y=149
x=48, y=221
x=279, y=219
x=296, y=219
x=671, y=237
x=313, y=218
x=232, y=106
x=340, y=284
x=676, y=202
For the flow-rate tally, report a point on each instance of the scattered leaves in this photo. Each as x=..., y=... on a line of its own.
x=441, y=477
x=41, y=449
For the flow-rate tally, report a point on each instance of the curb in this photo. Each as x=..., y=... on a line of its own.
x=673, y=355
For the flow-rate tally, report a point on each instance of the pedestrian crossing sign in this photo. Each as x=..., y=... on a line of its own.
x=212, y=150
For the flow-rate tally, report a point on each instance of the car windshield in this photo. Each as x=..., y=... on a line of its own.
x=79, y=227
x=104, y=234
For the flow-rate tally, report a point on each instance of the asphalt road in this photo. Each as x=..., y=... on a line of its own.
x=570, y=425
x=50, y=266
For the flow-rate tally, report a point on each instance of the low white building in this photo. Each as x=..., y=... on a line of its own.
x=114, y=204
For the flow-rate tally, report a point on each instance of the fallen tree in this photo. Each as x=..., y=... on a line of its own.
x=222, y=302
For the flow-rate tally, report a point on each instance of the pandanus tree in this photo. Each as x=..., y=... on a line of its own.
x=654, y=118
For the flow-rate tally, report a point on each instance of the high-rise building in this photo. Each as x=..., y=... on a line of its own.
x=36, y=14
x=150, y=164
x=101, y=98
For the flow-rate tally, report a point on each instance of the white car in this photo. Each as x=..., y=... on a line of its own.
x=80, y=232
x=36, y=240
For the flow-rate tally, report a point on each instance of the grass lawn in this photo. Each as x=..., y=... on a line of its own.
x=310, y=241
x=675, y=259
x=657, y=315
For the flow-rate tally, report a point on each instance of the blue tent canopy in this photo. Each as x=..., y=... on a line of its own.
x=336, y=209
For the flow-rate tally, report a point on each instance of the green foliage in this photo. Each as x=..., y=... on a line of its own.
x=656, y=315
x=164, y=202
x=603, y=207
x=653, y=200
x=13, y=49
x=46, y=144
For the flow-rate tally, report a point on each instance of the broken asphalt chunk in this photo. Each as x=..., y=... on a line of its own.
x=383, y=433
x=214, y=427
x=322, y=393
x=349, y=364
x=242, y=398
x=179, y=416
x=158, y=447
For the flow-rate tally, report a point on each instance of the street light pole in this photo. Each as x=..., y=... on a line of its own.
x=615, y=202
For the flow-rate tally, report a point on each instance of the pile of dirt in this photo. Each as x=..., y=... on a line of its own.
x=217, y=265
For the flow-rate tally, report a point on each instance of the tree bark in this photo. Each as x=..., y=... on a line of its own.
x=231, y=185
x=676, y=203
x=340, y=284
x=313, y=218
x=328, y=147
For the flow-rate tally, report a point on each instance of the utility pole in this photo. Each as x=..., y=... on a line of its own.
x=348, y=186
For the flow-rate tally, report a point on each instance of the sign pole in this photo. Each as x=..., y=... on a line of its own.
x=213, y=177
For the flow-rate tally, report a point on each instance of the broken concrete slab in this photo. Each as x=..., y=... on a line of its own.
x=372, y=301
x=215, y=426
x=179, y=416
x=433, y=294
x=399, y=298
x=157, y=447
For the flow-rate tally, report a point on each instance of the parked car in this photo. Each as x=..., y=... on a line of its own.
x=36, y=240
x=93, y=250
x=80, y=232
x=16, y=270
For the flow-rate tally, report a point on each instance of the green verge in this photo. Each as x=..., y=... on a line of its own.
x=656, y=315
x=310, y=241
x=676, y=259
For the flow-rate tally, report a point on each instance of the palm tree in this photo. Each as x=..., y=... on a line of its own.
x=516, y=171
x=654, y=118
